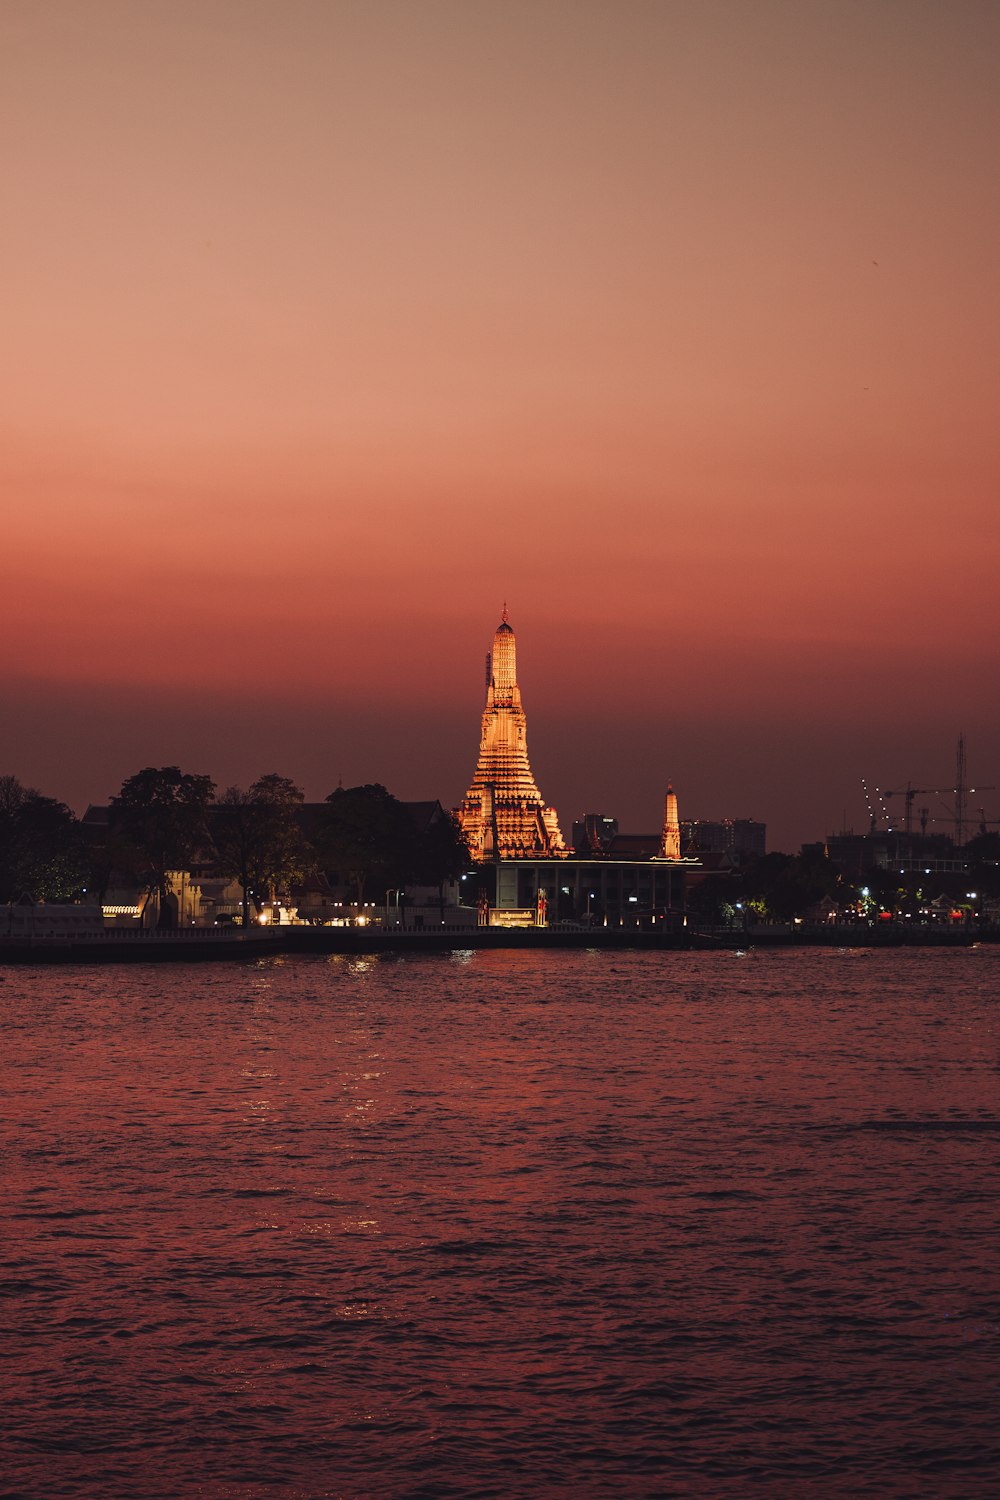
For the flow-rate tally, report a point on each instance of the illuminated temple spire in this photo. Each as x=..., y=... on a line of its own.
x=503, y=816
x=670, y=839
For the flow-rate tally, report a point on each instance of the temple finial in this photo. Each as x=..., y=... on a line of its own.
x=504, y=618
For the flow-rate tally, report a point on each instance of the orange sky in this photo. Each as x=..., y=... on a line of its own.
x=329, y=326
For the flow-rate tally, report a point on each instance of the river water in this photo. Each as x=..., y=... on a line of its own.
x=502, y=1224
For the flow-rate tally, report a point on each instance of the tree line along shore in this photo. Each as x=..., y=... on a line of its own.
x=364, y=844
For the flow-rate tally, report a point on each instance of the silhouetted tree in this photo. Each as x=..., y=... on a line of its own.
x=983, y=855
x=258, y=837
x=787, y=885
x=368, y=837
x=440, y=853
x=13, y=794
x=710, y=899
x=110, y=857
x=41, y=846
x=234, y=833
x=286, y=853
x=162, y=815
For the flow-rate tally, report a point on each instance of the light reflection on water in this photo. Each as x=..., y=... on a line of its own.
x=498, y=1223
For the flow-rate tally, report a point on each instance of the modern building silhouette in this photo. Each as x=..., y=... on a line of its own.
x=741, y=838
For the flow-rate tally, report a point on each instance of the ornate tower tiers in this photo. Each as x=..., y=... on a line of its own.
x=670, y=839
x=503, y=816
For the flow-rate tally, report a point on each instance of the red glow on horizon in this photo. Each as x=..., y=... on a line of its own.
x=318, y=348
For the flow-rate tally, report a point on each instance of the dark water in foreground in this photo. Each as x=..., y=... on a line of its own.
x=503, y=1224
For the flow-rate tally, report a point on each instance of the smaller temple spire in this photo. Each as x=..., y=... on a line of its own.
x=670, y=839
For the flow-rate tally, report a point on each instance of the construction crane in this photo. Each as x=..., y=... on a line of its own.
x=909, y=792
x=960, y=792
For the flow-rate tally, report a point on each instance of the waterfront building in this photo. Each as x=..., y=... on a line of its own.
x=611, y=879
x=908, y=853
x=612, y=890
x=502, y=815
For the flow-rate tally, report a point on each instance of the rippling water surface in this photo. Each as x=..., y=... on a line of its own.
x=502, y=1224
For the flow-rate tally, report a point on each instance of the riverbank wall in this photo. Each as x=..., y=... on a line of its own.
x=207, y=945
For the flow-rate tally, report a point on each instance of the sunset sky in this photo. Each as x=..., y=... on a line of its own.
x=329, y=327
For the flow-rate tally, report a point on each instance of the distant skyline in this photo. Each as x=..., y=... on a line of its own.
x=329, y=327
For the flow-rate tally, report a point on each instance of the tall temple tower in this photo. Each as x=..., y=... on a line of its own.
x=670, y=839
x=503, y=816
